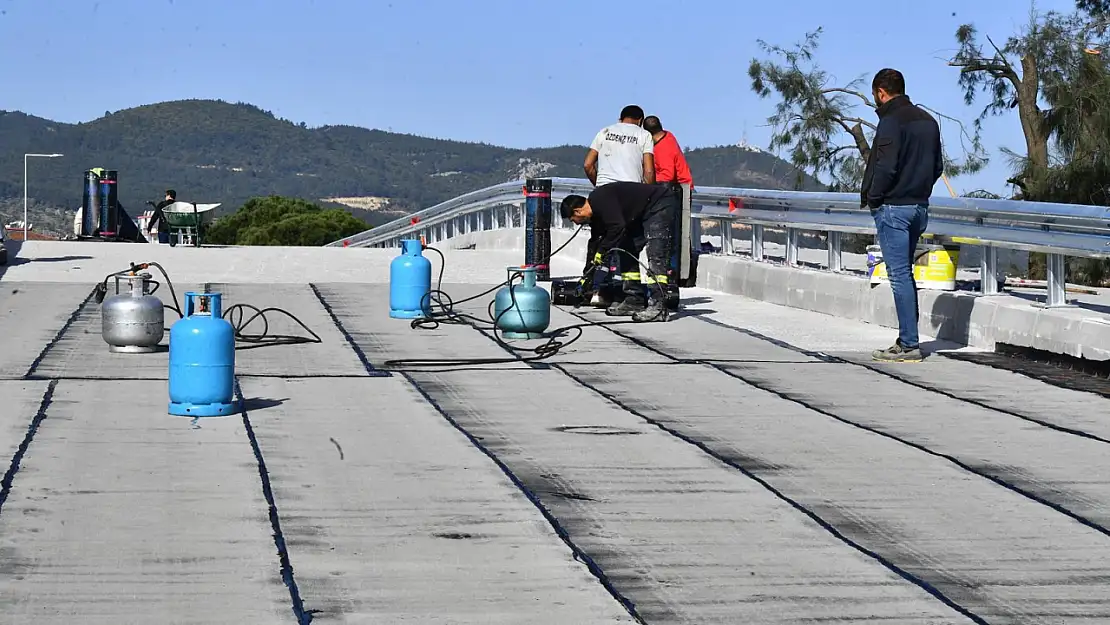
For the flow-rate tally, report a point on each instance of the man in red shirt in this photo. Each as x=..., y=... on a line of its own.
x=670, y=164
x=671, y=167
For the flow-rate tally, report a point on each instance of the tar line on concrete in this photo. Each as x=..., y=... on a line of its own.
x=370, y=369
x=560, y=531
x=925, y=387
x=32, y=428
x=918, y=446
x=1053, y=369
x=303, y=618
x=57, y=337
x=825, y=525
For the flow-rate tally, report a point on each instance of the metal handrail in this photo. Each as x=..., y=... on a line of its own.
x=1056, y=229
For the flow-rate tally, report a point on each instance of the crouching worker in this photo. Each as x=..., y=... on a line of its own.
x=625, y=217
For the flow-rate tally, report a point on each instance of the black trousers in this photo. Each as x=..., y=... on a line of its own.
x=655, y=231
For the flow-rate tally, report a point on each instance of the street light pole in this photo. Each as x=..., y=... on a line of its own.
x=25, y=158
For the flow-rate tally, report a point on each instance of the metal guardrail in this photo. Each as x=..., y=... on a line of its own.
x=1059, y=230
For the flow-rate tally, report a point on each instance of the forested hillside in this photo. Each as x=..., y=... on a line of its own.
x=214, y=151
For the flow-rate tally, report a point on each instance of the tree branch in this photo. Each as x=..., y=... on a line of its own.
x=997, y=69
x=856, y=120
x=963, y=129
x=858, y=94
x=857, y=134
x=833, y=151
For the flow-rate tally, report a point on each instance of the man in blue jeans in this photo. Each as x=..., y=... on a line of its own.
x=904, y=164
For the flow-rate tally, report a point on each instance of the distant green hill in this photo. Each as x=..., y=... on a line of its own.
x=214, y=151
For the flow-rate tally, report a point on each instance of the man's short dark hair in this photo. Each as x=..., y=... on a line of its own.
x=569, y=204
x=889, y=80
x=632, y=112
x=171, y=193
x=652, y=124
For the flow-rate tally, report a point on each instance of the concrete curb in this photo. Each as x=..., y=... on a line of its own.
x=961, y=317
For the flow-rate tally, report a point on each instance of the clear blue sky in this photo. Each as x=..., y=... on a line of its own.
x=518, y=73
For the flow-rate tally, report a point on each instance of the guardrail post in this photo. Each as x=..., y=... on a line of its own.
x=757, y=242
x=988, y=270
x=835, y=259
x=1057, y=276
x=537, y=227
x=792, y=246
x=726, y=235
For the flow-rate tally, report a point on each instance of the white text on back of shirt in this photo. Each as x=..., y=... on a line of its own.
x=620, y=153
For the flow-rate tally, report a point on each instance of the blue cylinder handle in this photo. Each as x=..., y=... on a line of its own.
x=210, y=304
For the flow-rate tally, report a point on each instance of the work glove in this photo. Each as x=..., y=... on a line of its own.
x=584, y=291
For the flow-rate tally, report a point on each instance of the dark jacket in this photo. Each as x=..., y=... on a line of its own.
x=616, y=207
x=906, y=159
x=159, y=216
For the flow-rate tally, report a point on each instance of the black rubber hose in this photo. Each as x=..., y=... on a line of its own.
x=447, y=314
x=234, y=314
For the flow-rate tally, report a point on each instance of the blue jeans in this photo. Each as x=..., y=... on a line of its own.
x=899, y=229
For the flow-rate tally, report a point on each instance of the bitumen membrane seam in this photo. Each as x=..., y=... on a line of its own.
x=58, y=336
x=894, y=376
x=32, y=429
x=782, y=496
x=370, y=369
x=286, y=565
x=822, y=359
x=303, y=617
x=925, y=585
x=1053, y=369
x=287, y=576
x=918, y=446
x=579, y=554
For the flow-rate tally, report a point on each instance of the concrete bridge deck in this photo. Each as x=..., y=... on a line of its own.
x=743, y=463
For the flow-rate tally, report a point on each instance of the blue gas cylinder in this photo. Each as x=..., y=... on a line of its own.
x=410, y=282
x=202, y=360
x=523, y=310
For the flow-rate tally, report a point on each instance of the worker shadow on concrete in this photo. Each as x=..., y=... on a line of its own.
x=14, y=259
x=254, y=404
x=683, y=311
x=689, y=307
x=936, y=346
x=686, y=301
x=955, y=313
x=12, y=262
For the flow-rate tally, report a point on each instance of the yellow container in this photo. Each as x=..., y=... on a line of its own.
x=934, y=266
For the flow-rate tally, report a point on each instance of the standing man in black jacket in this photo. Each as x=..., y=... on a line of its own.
x=904, y=164
x=159, y=217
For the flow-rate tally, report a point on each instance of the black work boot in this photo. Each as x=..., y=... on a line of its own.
x=655, y=311
x=625, y=308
